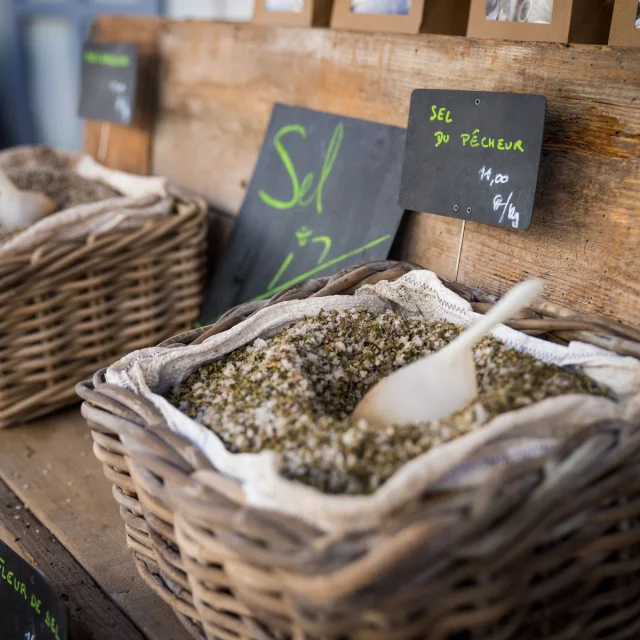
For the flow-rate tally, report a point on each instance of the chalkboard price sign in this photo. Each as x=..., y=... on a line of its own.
x=29, y=608
x=474, y=155
x=109, y=81
x=323, y=196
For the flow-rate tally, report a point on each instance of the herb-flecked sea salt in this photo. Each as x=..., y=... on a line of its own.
x=66, y=187
x=294, y=393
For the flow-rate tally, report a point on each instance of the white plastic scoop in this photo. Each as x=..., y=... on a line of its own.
x=20, y=208
x=439, y=384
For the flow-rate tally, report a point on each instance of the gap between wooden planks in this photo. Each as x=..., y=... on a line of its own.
x=49, y=464
x=219, y=82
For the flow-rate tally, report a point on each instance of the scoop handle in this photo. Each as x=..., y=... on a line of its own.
x=512, y=302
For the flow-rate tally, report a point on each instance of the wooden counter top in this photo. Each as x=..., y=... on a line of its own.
x=73, y=533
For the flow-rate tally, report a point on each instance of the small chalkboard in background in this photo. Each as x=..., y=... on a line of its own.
x=109, y=81
x=474, y=155
x=323, y=196
x=29, y=608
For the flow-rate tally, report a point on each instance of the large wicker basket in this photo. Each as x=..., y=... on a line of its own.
x=548, y=548
x=70, y=306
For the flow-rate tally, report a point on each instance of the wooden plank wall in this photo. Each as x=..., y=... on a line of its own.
x=219, y=82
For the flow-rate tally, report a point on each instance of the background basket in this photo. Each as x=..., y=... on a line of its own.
x=68, y=307
x=548, y=548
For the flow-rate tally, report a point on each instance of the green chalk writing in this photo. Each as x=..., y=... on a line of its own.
x=51, y=623
x=441, y=114
x=326, y=241
x=300, y=190
x=325, y=265
x=35, y=603
x=107, y=59
x=283, y=267
x=12, y=579
x=441, y=138
x=302, y=235
x=474, y=139
x=20, y=587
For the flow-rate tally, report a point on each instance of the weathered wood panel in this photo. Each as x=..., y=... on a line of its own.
x=49, y=465
x=219, y=82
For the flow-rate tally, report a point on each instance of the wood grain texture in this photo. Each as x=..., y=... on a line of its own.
x=49, y=465
x=129, y=148
x=91, y=614
x=219, y=83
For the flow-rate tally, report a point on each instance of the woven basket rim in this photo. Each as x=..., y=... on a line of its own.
x=258, y=573
x=177, y=212
x=179, y=195
x=165, y=463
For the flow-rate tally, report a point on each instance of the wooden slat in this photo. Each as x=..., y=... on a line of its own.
x=129, y=148
x=49, y=465
x=91, y=614
x=219, y=83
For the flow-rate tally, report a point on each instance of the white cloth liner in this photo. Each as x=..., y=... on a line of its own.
x=529, y=432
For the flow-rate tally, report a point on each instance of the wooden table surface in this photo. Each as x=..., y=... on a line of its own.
x=73, y=533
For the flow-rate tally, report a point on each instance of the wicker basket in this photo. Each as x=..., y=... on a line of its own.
x=68, y=307
x=548, y=548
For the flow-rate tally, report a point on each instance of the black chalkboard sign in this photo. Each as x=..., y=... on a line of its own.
x=109, y=80
x=474, y=155
x=29, y=608
x=323, y=196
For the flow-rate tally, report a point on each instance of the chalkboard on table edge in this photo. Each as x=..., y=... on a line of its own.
x=30, y=609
